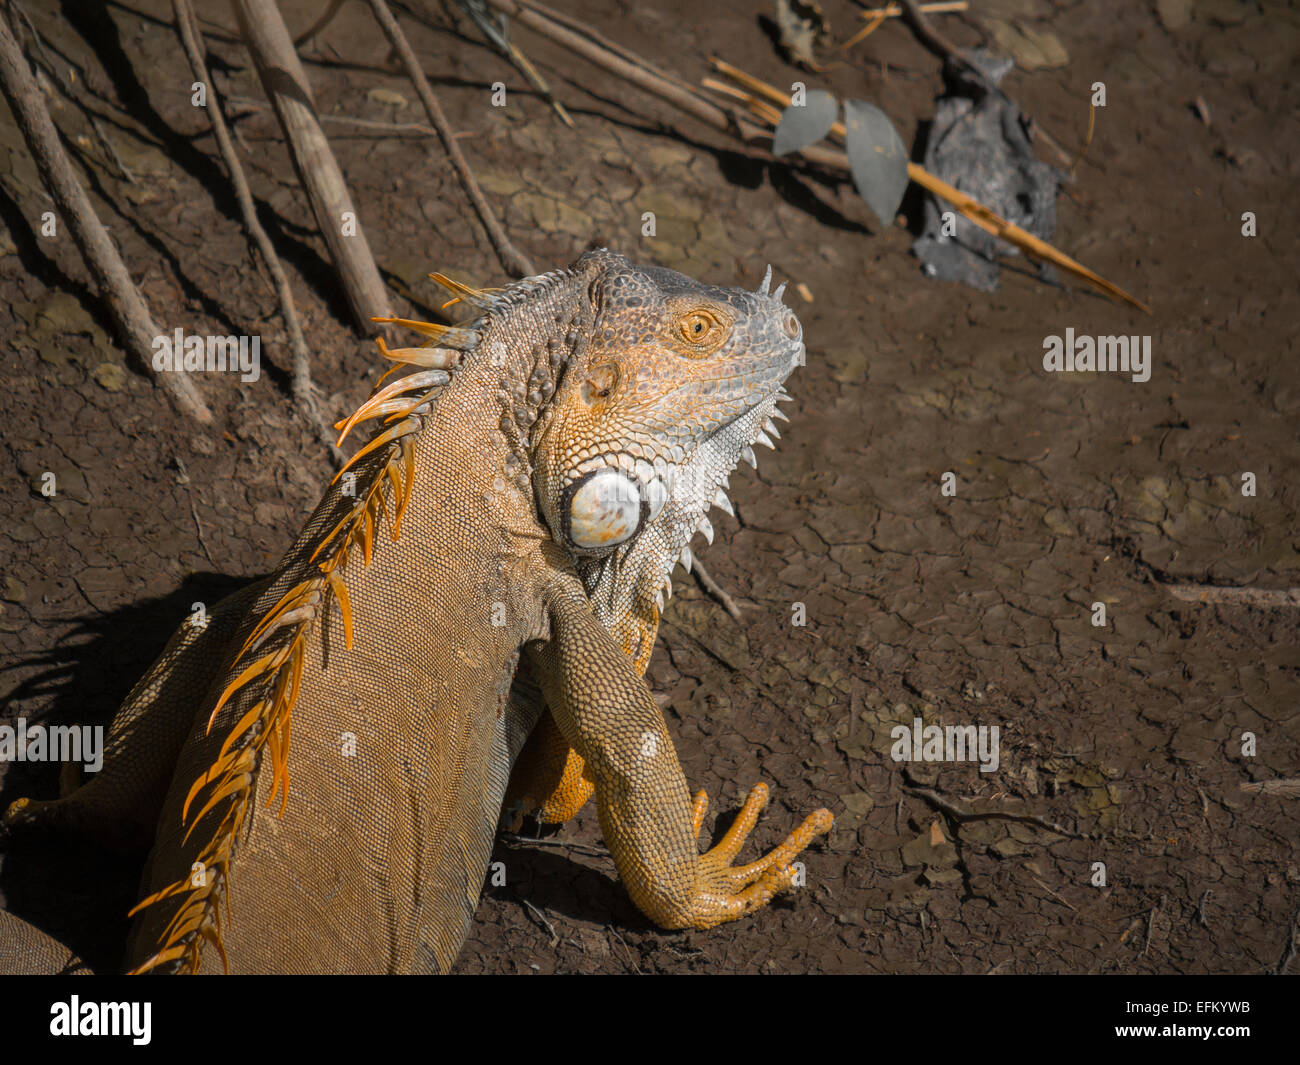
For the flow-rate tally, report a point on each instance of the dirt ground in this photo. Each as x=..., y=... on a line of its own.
x=975, y=608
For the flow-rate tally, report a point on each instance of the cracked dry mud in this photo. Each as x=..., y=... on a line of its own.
x=970, y=609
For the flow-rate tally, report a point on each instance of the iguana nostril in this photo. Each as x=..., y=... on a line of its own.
x=791, y=325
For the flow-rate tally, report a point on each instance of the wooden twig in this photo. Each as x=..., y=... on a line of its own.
x=512, y=260
x=937, y=43
x=1289, y=788
x=1055, y=894
x=126, y=307
x=327, y=16
x=1151, y=923
x=877, y=20
x=245, y=104
x=1210, y=593
x=304, y=390
x=713, y=589
x=943, y=7
x=513, y=839
x=541, y=917
x=184, y=480
x=652, y=80
x=285, y=85
x=952, y=810
x=494, y=32
x=914, y=15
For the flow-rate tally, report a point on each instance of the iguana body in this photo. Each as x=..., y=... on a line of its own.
x=542, y=497
x=27, y=951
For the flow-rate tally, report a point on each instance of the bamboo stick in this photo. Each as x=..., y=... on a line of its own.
x=285, y=84
x=135, y=328
x=304, y=389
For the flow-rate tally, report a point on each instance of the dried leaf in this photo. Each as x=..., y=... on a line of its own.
x=801, y=25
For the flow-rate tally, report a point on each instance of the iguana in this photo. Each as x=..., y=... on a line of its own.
x=540, y=473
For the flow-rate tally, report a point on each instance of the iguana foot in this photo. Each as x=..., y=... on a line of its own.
x=23, y=812
x=726, y=892
x=106, y=827
x=29, y=814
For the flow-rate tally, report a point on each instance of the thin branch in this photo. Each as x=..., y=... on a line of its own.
x=713, y=589
x=936, y=42
x=952, y=810
x=512, y=260
x=285, y=84
x=1210, y=593
x=130, y=315
x=319, y=25
x=304, y=390
x=246, y=104
x=1288, y=788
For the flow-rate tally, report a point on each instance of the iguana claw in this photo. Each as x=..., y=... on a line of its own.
x=726, y=891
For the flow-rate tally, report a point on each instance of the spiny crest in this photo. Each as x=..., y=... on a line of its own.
x=276, y=675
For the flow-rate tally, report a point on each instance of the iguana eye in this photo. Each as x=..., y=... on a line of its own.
x=699, y=327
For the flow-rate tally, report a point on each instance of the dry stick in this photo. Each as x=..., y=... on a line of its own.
x=952, y=810
x=244, y=104
x=712, y=588
x=304, y=390
x=578, y=26
x=319, y=25
x=982, y=216
x=550, y=928
x=1289, y=788
x=479, y=16
x=935, y=41
x=877, y=20
x=940, y=46
x=1209, y=593
x=135, y=328
x=641, y=74
x=512, y=260
x=1151, y=921
x=894, y=11
x=65, y=82
x=286, y=86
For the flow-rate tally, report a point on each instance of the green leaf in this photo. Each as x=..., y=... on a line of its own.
x=806, y=124
x=876, y=157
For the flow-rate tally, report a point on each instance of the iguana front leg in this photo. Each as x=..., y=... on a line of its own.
x=647, y=815
x=550, y=781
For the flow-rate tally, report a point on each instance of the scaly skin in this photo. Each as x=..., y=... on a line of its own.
x=550, y=781
x=544, y=494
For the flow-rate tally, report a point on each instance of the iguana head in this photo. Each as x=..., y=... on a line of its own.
x=675, y=384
